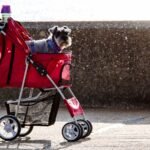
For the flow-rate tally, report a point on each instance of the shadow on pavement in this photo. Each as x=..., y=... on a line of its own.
x=28, y=144
x=65, y=145
x=25, y=143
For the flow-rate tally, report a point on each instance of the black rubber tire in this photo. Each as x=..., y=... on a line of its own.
x=77, y=128
x=81, y=133
x=12, y=118
x=27, y=132
x=90, y=127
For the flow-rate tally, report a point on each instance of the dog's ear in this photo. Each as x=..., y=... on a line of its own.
x=66, y=29
x=53, y=29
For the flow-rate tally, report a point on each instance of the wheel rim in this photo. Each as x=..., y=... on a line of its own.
x=8, y=128
x=71, y=131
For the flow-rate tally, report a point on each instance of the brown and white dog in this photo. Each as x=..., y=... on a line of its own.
x=58, y=40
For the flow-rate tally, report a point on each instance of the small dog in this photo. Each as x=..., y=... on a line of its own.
x=58, y=40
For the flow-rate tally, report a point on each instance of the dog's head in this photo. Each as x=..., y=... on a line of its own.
x=61, y=35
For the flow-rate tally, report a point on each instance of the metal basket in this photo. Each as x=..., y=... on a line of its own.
x=36, y=112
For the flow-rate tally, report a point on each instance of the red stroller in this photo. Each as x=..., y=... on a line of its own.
x=48, y=74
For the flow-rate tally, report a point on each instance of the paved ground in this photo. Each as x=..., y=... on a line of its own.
x=113, y=130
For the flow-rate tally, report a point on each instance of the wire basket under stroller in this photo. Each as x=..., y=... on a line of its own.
x=40, y=111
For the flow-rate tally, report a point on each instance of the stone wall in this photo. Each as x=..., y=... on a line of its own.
x=111, y=61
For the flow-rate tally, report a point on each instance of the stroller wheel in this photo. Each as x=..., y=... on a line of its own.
x=72, y=131
x=25, y=130
x=86, y=127
x=9, y=127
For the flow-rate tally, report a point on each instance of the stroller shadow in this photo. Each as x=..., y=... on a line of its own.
x=25, y=143
x=64, y=145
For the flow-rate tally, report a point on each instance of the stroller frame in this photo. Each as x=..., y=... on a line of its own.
x=80, y=127
x=43, y=72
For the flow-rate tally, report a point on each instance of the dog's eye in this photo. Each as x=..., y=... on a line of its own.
x=65, y=33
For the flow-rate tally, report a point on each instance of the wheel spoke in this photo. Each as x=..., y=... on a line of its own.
x=75, y=131
x=8, y=121
x=75, y=134
x=2, y=124
x=13, y=132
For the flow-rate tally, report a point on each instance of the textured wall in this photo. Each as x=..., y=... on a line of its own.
x=111, y=65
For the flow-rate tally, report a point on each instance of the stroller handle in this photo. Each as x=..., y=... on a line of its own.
x=16, y=29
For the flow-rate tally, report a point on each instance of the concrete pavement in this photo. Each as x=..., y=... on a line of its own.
x=112, y=130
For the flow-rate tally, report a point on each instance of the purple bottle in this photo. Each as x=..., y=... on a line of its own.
x=6, y=12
